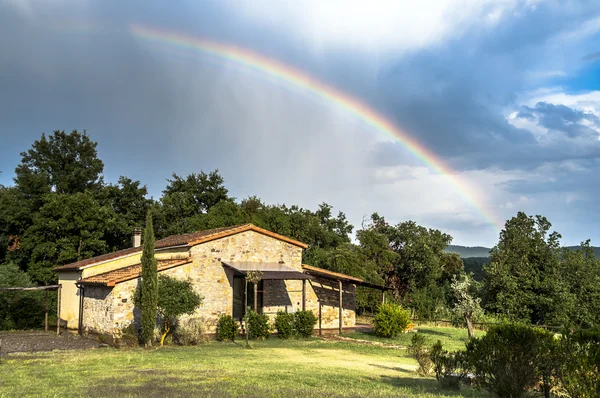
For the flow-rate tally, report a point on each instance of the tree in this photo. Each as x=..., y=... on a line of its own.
x=127, y=199
x=417, y=268
x=67, y=228
x=62, y=163
x=523, y=280
x=467, y=305
x=149, y=299
x=187, y=198
x=175, y=298
x=579, y=293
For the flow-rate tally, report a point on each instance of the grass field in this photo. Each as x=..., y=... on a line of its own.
x=452, y=339
x=272, y=368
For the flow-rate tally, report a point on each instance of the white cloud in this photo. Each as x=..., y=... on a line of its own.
x=375, y=25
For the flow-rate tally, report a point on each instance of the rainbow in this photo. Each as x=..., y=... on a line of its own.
x=309, y=84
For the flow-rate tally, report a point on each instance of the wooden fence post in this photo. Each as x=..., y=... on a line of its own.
x=46, y=313
x=58, y=311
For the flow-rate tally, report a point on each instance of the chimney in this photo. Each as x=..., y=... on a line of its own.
x=137, y=237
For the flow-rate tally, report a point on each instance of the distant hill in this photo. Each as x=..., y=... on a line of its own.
x=476, y=257
x=480, y=251
x=467, y=251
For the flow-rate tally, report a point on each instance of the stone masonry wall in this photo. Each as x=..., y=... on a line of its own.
x=326, y=292
x=98, y=309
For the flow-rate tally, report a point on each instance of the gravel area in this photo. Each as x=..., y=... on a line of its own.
x=35, y=341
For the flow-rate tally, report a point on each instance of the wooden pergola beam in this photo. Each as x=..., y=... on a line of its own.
x=42, y=288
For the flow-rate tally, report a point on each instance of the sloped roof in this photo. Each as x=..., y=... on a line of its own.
x=190, y=239
x=111, y=278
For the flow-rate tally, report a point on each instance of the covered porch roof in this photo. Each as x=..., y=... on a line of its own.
x=270, y=271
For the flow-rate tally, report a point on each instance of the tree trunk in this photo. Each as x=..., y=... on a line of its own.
x=167, y=330
x=470, y=326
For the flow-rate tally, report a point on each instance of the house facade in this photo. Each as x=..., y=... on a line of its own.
x=97, y=293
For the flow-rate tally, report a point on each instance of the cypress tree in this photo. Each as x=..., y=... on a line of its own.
x=149, y=284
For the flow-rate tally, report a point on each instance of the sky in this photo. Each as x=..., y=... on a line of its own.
x=504, y=94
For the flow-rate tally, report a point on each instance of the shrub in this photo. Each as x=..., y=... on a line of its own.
x=421, y=354
x=509, y=360
x=391, y=320
x=284, y=323
x=578, y=366
x=190, y=332
x=258, y=325
x=227, y=328
x=304, y=323
x=450, y=367
x=126, y=337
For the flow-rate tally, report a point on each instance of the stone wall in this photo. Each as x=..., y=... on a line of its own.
x=98, y=309
x=325, y=292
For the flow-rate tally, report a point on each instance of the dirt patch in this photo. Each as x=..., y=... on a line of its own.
x=37, y=341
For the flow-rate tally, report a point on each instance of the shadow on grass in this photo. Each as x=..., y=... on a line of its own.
x=429, y=386
x=207, y=383
x=434, y=332
x=398, y=369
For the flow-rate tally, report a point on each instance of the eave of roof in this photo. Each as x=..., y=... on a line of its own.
x=111, y=278
x=188, y=240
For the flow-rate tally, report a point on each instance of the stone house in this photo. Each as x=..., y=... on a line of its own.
x=97, y=293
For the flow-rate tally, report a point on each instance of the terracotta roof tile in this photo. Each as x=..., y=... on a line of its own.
x=191, y=239
x=127, y=273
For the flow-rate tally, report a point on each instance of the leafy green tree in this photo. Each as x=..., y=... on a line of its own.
x=127, y=199
x=187, y=198
x=417, y=269
x=467, y=304
x=523, y=281
x=175, y=298
x=62, y=163
x=579, y=292
x=149, y=299
x=66, y=228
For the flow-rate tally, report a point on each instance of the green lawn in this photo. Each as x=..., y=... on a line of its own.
x=273, y=368
x=452, y=339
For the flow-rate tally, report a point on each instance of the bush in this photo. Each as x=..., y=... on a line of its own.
x=510, y=359
x=391, y=320
x=258, y=325
x=126, y=337
x=304, y=322
x=20, y=309
x=190, y=332
x=284, y=323
x=227, y=328
x=421, y=354
x=578, y=367
x=450, y=367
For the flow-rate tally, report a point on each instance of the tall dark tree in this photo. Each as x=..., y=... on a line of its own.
x=149, y=284
x=127, y=199
x=522, y=281
x=66, y=228
x=62, y=163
